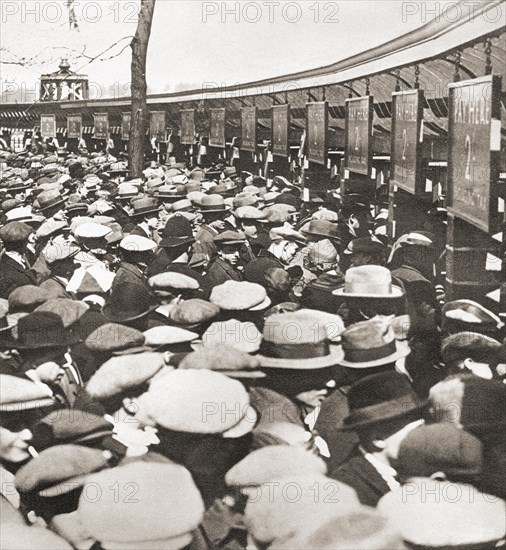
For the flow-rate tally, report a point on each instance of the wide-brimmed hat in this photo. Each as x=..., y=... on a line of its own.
x=128, y=302
x=171, y=193
x=178, y=231
x=213, y=203
x=378, y=398
x=42, y=329
x=144, y=206
x=49, y=199
x=371, y=343
x=369, y=281
x=296, y=341
x=322, y=228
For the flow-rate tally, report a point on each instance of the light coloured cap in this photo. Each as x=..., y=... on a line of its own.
x=92, y=231
x=56, y=252
x=136, y=243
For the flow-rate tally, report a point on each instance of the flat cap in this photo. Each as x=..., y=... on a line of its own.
x=136, y=243
x=57, y=252
x=225, y=359
x=250, y=213
x=274, y=462
x=166, y=335
x=163, y=513
x=51, y=227
x=195, y=401
x=239, y=295
x=19, y=394
x=172, y=280
x=15, y=232
x=230, y=237
x=58, y=464
x=242, y=336
x=27, y=297
x=112, y=337
x=193, y=312
x=120, y=373
x=92, y=231
x=70, y=311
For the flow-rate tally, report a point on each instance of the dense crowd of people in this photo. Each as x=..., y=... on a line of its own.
x=201, y=359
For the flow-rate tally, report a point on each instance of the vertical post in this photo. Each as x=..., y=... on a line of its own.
x=140, y=114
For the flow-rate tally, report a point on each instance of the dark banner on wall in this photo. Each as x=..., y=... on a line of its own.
x=281, y=130
x=48, y=126
x=317, y=118
x=358, y=134
x=249, y=129
x=187, y=136
x=74, y=126
x=217, y=134
x=474, y=148
x=101, y=126
x=158, y=125
x=407, y=141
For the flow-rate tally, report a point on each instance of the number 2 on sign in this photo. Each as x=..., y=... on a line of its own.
x=467, y=147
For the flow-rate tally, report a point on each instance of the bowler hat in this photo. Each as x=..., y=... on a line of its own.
x=49, y=199
x=128, y=302
x=178, y=231
x=42, y=329
x=379, y=398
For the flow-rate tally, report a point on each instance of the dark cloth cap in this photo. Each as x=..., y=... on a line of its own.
x=439, y=448
x=15, y=232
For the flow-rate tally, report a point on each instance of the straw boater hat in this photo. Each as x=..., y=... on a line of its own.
x=369, y=281
x=295, y=341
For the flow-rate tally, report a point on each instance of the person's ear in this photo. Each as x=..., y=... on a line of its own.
x=438, y=476
x=380, y=444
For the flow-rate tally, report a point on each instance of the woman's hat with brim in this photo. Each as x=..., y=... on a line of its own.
x=371, y=344
x=379, y=398
x=128, y=302
x=296, y=341
x=369, y=281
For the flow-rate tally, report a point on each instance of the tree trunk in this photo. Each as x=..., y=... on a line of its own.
x=140, y=113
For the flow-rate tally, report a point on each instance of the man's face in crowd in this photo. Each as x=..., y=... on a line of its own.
x=230, y=253
x=359, y=258
x=153, y=222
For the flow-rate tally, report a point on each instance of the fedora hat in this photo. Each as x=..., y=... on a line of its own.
x=42, y=329
x=144, y=206
x=371, y=343
x=171, y=193
x=296, y=341
x=377, y=398
x=49, y=199
x=322, y=228
x=128, y=302
x=368, y=281
x=178, y=231
x=213, y=203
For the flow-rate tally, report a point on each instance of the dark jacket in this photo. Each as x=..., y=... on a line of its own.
x=254, y=272
x=221, y=271
x=13, y=275
x=129, y=273
x=358, y=473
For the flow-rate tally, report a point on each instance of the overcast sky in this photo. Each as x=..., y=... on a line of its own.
x=194, y=42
